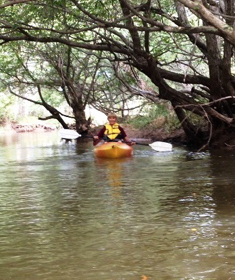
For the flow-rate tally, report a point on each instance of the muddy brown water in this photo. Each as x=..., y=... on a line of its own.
x=66, y=215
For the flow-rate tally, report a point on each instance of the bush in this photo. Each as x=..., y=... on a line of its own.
x=156, y=117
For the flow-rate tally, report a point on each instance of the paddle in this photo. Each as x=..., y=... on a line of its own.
x=158, y=146
x=69, y=134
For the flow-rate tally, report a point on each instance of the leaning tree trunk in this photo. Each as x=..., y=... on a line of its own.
x=195, y=135
x=73, y=95
x=220, y=86
x=81, y=123
x=55, y=114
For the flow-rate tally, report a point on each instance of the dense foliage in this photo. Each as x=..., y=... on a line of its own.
x=184, y=48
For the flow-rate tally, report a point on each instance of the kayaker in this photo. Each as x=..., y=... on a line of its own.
x=112, y=132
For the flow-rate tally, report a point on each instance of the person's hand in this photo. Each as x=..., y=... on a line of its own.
x=129, y=142
x=96, y=140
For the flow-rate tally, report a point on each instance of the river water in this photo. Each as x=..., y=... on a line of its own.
x=66, y=215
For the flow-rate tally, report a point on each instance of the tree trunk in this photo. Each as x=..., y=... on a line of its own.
x=81, y=123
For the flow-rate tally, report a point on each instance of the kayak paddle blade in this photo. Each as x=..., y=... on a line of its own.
x=69, y=134
x=161, y=146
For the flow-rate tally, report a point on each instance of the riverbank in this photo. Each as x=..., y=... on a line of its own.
x=177, y=136
x=27, y=127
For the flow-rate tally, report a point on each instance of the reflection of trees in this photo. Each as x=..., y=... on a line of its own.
x=188, y=200
x=157, y=212
x=223, y=177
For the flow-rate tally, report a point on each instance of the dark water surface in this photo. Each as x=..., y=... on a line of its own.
x=65, y=215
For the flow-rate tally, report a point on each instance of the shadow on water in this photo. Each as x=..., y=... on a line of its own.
x=67, y=215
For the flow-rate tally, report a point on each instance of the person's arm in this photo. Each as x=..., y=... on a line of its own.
x=124, y=135
x=129, y=142
x=99, y=136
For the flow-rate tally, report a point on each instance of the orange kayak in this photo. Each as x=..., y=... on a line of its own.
x=113, y=150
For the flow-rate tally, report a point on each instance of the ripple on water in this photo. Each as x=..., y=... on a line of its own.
x=66, y=215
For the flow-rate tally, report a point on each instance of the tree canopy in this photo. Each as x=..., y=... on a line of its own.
x=184, y=47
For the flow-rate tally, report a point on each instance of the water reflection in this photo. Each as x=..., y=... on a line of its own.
x=66, y=215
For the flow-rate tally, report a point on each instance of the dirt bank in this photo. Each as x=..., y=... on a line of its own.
x=27, y=127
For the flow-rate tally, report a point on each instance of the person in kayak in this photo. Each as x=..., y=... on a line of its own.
x=112, y=132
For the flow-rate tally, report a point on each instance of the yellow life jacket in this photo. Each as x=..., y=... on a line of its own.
x=112, y=131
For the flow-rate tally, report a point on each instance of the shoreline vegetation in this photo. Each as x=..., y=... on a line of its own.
x=147, y=133
x=175, y=136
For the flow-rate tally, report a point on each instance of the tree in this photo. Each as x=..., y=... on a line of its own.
x=52, y=74
x=185, y=48
x=23, y=77
x=116, y=88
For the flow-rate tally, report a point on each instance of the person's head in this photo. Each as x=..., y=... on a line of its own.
x=112, y=118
